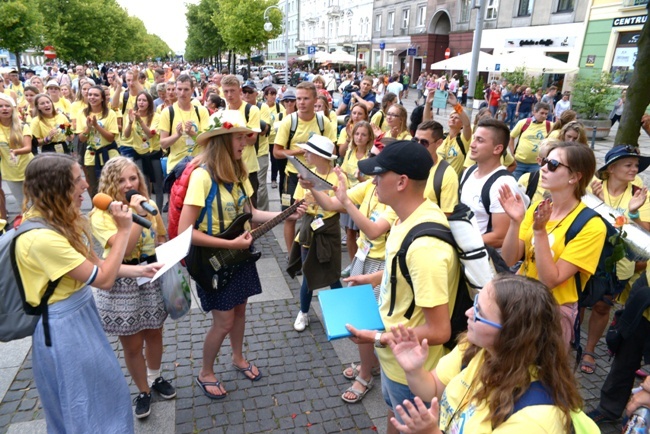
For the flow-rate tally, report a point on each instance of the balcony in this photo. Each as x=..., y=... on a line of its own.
x=335, y=12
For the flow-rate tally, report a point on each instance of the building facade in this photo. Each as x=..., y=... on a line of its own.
x=275, y=48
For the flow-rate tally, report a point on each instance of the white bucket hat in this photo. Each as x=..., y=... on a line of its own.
x=319, y=145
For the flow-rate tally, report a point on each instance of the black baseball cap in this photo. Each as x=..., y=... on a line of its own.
x=404, y=157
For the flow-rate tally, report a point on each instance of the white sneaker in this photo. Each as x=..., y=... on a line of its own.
x=302, y=321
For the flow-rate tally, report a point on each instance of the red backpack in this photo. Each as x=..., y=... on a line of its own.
x=176, y=198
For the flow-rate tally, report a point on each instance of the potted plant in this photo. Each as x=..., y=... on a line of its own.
x=592, y=97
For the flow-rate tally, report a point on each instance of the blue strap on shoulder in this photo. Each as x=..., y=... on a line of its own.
x=214, y=188
x=535, y=395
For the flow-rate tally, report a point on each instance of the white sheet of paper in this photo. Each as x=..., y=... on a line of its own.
x=171, y=253
x=319, y=183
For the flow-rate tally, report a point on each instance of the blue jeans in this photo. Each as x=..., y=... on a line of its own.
x=510, y=115
x=127, y=151
x=305, y=293
x=524, y=168
x=524, y=115
x=395, y=393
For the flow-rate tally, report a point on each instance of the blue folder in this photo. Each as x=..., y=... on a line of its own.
x=355, y=305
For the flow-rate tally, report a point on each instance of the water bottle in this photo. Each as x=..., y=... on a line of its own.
x=638, y=422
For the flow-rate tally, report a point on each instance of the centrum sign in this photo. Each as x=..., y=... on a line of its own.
x=630, y=21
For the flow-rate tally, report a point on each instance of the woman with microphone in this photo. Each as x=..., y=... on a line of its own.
x=79, y=379
x=131, y=311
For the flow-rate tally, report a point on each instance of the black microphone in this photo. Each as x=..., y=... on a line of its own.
x=144, y=204
x=103, y=201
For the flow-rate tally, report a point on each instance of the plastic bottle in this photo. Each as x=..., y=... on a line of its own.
x=638, y=422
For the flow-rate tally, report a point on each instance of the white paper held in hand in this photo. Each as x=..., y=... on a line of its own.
x=171, y=253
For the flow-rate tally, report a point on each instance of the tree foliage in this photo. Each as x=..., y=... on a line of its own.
x=638, y=97
x=22, y=26
x=203, y=37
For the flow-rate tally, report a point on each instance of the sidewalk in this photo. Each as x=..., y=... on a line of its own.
x=302, y=383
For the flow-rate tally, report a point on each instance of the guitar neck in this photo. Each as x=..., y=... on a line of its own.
x=264, y=228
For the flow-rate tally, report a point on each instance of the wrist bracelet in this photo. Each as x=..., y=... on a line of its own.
x=633, y=215
x=458, y=108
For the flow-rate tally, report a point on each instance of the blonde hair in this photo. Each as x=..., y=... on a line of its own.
x=230, y=80
x=371, y=137
x=220, y=161
x=49, y=190
x=15, y=127
x=110, y=178
x=403, y=115
x=38, y=111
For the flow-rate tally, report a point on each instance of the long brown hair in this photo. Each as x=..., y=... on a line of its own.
x=220, y=161
x=531, y=337
x=403, y=115
x=104, y=104
x=580, y=159
x=371, y=137
x=149, y=106
x=49, y=190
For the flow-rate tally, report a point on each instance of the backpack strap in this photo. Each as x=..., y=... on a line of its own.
x=207, y=209
x=536, y=394
x=533, y=181
x=549, y=125
x=426, y=229
x=125, y=100
x=196, y=110
x=42, y=308
x=294, y=127
x=524, y=127
x=459, y=141
x=438, y=177
x=381, y=120
x=171, y=119
x=321, y=122
x=485, y=194
x=465, y=177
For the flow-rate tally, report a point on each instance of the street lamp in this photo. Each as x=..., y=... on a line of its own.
x=268, y=26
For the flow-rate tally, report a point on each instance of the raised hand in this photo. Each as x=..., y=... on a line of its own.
x=638, y=199
x=417, y=418
x=597, y=189
x=408, y=351
x=121, y=214
x=542, y=215
x=340, y=191
x=512, y=203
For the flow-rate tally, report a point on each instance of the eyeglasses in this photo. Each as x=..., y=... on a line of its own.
x=423, y=142
x=553, y=164
x=392, y=115
x=479, y=318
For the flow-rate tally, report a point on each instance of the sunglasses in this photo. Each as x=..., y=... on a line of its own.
x=479, y=318
x=553, y=165
x=423, y=142
x=248, y=91
x=632, y=150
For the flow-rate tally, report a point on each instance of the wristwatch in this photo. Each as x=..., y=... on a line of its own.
x=378, y=343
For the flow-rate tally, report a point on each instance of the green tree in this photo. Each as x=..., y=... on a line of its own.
x=638, y=97
x=203, y=37
x=231, y=15
x=593, y=94
x=22, y=27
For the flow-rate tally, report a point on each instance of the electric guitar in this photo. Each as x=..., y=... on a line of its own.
x=222, y=263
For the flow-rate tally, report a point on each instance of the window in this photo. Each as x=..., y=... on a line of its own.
x=422, y=15
x=391, y=20
x=464, y=11
x=378, y=23
x=492, y=9
x=405, y=18
x=525, y=8
x=625, y=56
x=376, y=59
x=565, y=6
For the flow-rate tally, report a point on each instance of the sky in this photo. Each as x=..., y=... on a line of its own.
x=165, y=18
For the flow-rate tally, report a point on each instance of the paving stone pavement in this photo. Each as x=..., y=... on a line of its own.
x=302, y=383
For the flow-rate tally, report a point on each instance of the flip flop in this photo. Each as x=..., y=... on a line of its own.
x=204, y=384
x=249, y=369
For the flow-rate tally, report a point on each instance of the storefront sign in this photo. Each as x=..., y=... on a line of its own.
x=568, y=41
x=639, y=20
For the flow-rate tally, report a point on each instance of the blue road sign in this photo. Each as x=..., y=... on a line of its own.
x=382, y=45
x=411, y=51
x=497, y=67
x=311, y=49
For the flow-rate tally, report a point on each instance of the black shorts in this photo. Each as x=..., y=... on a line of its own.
x=290, y=184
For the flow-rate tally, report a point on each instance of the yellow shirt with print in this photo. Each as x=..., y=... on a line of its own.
x=364, y=195
x=379, y=119
x=350, y=165
x=527, y=149
x=313, y=207
x=304, y=130
x=435, y=280
x=583, y=251
x=457, y=415
x=185, y=145
x=40, y=128
x=249, y=156
x=63, y=106
x=232, y=202
x=95, y=140
x=103, y=227
x=265, y=115
x=76, y=110
x=124, y=115
x=451, y=151
x=137, y=138
x=13, y=169
x=44, y=255
x=448, y=190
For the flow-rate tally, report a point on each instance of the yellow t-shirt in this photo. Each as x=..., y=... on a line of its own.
x=583, y=251
x=13, y=169
x=523, y=181
x=124, y=115
x=232, y=203
x=40, y=127
x=44, y=255
x=95, y=140
x=275, y=120
x=457, y=415
x=448, y=190
x=185, y=145
x=343, y=137
x=313, y=207
x=350, y=165
x=334, y=119
x=451, y=151
x=528, y=146
x=20, y=91
x=379, y=119
x=76, y=110
x=554, y=135
x=63, y=106
x=404, y=135
x=364, y=195
x=249, y=156
x=303, y=130
x=137, y=138
x=265, y=115
x=434, y=269
x=103, y=227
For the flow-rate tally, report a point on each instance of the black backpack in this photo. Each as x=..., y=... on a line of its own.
x=438, y=177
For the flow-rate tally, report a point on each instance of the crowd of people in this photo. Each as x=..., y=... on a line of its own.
x=122, y=131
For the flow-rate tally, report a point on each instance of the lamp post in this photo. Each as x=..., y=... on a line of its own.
x=268, y=27
x=169, y=54
x=480, y=5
